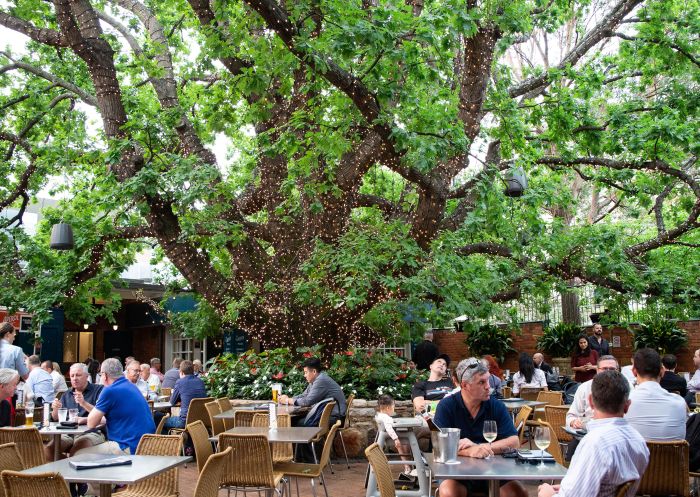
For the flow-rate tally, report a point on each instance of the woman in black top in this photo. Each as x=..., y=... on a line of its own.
x=8, y=383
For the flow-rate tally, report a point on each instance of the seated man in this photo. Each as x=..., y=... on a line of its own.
x=59, y=382
x=188, y=387
x=83, y=396
x=172, y=374
x=581, y=411
x=435, y=387
x=125, y=410
x=321, y=386
x=538, y=359
x=670, y=381
x=655, y=413
x=151, y=380
x=467, y=411
x=39, y=384
x=612, y=452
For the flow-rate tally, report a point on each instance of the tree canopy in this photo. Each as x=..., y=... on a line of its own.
x=367, y=145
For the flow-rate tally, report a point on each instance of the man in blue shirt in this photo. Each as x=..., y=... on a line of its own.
x=188, y=387
x=467, y=410
x=126, y=411
x=39, y=384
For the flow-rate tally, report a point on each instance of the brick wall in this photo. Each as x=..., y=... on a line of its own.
x=452, y=343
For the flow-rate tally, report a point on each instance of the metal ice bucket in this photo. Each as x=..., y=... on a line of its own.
x=445, y=444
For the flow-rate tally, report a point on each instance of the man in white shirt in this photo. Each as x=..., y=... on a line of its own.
x=581, y=411
x=151, y=380
x=39, y=384
x=694, y=383
x=612, y=452
x=133, y=374
x=59, y=382
x=655, y=413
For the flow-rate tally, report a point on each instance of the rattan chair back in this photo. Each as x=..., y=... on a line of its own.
x=556, y=417
x=244, y=417
x=28, y=442
x=324, y=422
x=164, y=483
x=200, y=439
x=18, y=484
x=328, y=445
x=554, y=447
x=520, y=420
x=10, y=460
x=280, y=452
x=210, y=476
x=197, y=411
x=382, y=471
x=529, y=393
x=348, y=405
x=161, y=424
x=667, y=472
x=217, y=424
x=225, y=405
x=622, y=489
x=167, y=392
x=507, y=392
x=551, y=398
x=250, y=462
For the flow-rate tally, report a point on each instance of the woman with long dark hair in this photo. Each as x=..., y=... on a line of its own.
x=528, y=376
x=584, y=360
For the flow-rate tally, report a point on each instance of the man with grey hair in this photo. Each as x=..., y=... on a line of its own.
x=39, y=384
x=126, y=411
x=425, y=352
x=11, y=356
x=467, y=410
x=612, y=453
x=8, y=383
x=82, y=396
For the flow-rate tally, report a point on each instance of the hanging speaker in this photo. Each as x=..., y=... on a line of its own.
x=62, y=237
x=516, y=182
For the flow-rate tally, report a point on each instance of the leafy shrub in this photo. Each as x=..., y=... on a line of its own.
x=490, y=339
x=559, y=340
x=365, y=373
x=660, y=334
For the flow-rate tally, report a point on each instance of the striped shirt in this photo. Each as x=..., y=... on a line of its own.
x=611, y=454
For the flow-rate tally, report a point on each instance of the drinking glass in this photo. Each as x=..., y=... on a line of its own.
x=490, y=431
x=29, y=413
x=62, y=414
x=542, y=441
x=73, y=415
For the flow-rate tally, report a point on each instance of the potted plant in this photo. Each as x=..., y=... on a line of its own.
x=660, y=334
x=490, y=339
x=558, y=342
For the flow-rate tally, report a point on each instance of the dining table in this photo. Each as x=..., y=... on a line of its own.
x=494, y=470
x=514, y=404
x=54, y=431
x=290, y=434
x=257, y=407
x=141, y=468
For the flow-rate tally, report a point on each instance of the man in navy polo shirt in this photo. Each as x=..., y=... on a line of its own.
x=467, y=411
x=126, y=411
x=188, y=387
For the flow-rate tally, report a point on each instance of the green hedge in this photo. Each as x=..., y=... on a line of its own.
x=365, y=373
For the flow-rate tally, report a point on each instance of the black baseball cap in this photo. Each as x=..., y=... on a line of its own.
x=444, y=357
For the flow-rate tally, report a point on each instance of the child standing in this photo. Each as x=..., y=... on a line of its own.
x=386, y=405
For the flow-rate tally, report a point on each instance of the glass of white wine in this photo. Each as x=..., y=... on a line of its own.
x=542, y=441
x=490, y=431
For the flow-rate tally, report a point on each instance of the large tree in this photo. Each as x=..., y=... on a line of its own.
x=368, y=142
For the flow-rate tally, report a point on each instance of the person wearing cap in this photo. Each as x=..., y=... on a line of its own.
x=425, y=352
x=435, y=387
x=467, y=411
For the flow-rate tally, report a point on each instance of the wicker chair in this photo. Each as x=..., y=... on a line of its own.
x=697, y=397
x=280, y=452
x=161, y=424
x=667, y=472
x=249, y=467
x=217, y=424
x=196, y=411
x=225, y=405
x=164, y=484
x=200, y=439
x=622, y=489
x=166, y=392
x=554, y=446
x=507, y=392
x=210, y=476
x=323, y=423
x=520, y=421
x=244, y=417
x=18, y=484
x=529, y=393
x=550, y=399
x=311, y=471
x=10, y=460
x=29, y=444
x=382, y=470
x=346, y=424
x=556, y=417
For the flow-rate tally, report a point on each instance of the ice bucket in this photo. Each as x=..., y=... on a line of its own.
x=445, y=445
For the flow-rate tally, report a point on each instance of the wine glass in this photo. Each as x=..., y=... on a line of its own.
x=490, y=431
x=542, y=441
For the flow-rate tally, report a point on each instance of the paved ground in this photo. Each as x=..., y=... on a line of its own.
x=344, y=483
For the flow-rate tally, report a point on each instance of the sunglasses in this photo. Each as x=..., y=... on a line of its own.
x=471, y=366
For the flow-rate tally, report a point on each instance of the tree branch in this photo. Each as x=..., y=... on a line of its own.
x=42, y=35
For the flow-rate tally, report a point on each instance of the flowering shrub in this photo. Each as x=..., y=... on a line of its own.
x=362, y=372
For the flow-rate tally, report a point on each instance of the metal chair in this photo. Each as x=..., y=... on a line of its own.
x=280, y=452
x=667, y=472
x=311, y=471
x=18, y=484
x=249, y=466
x=28, y=443
x=217, y=424
x=346, y=424
x=244, y=417
x=554, y=447
x=200, y=439
x=556, y=417
x=380, y=465
x=210, y=475
x=164, y=484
